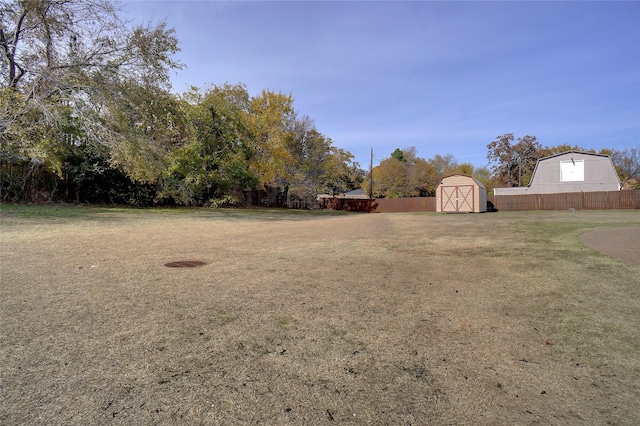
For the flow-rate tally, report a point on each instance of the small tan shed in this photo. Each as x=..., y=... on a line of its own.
x=461, y=194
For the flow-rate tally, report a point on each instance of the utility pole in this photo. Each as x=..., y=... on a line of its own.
x=519, y=171
x=371, y=175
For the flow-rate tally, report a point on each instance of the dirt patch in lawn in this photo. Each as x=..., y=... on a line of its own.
x=317, y=319
x=185, y=264
x=622, y=242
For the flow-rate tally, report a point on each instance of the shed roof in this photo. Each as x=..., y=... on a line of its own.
x=467, y=176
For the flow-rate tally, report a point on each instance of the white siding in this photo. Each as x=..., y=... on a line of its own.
x=583, y=172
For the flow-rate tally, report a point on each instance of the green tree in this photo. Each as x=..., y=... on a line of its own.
x=309, y=152
x=272, y=118
x=65, y=65
x=316, y=165
x=212, y=167
x=398, y=155
x=152, y=123
x=341, y=171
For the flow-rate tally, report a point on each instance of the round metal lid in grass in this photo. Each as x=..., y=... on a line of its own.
x=185, y=264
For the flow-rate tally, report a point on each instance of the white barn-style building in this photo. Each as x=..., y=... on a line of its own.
x=572, y=171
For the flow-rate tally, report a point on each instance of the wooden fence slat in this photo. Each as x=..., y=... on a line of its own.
x=603, y=200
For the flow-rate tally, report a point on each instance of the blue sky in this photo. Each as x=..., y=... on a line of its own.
x=443, y=77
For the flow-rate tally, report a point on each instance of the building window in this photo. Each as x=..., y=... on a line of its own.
x=572, y=171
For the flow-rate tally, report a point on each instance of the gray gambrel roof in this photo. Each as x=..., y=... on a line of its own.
x=573, y=152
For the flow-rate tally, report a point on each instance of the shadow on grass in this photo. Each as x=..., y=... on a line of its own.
x=83, y=212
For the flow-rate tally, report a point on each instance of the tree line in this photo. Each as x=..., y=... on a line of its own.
x=87, y=115
x=404, y=174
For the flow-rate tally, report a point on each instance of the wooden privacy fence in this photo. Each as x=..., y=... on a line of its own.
x=571, y=200
x=604, y=200
x=400, y=205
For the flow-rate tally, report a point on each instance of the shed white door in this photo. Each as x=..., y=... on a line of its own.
x=457, y=198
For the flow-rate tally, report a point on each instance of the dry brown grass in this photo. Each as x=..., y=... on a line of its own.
x=315, y=319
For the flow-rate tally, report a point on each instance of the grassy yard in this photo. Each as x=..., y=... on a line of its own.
x=315, y=318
